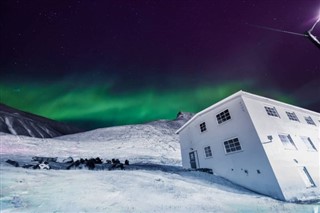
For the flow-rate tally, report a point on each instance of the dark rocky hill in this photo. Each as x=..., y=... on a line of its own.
x=16, y=122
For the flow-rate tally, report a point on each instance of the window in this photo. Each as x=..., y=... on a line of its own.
x=207, y=151
x=309, y=144
x=272, y=111
x=223, y=116
x=307, y=179
x=309, y=120
x=292, y=116
x=203, y=127
x=287, y=141
x=232, y=145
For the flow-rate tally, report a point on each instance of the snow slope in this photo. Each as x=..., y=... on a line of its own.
x=154, y=142
x=129, y=191
x=147, y=190
x=17, y=122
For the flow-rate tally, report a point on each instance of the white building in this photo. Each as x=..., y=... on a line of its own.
x=264, y=145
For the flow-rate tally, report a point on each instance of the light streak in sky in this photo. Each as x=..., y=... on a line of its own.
x=314, y=25
x=278, y=30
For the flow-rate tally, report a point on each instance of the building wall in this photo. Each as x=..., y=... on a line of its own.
x=248, y=167
x=286, y=162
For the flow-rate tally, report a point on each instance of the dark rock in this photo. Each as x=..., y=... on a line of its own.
x=27, y=166
x=90, y=164
x=13, y=163
x=42, y=159
x=120, y=165
x=68, y=160
x=77, y=163
x=126, y=162
x=98, y=160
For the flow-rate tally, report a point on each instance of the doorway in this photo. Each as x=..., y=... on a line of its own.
x=193, y=156
x=307, y=179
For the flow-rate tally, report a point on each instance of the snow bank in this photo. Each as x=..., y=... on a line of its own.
x=129, y=191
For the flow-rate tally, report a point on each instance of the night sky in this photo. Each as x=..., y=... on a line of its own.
x=102, y=63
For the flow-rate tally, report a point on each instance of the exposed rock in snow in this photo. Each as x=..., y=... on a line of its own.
x=16, y=122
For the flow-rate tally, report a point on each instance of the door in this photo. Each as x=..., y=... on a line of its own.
x=193, y=159
x=307, y=179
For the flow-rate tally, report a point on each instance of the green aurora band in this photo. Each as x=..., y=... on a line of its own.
x=98, y=105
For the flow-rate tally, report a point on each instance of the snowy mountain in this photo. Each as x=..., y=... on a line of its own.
x=163, y=188
x=17, y=122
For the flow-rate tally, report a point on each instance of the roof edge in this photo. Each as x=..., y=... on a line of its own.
x=239, y=93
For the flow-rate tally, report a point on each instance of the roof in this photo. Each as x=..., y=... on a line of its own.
x=240, y=94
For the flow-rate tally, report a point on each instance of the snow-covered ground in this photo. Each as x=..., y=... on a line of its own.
x=129, y=191
x=172, y=190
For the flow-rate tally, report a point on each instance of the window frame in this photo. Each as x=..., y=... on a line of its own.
x=309, y=120
x=292, y=116
x=205, y=151
x=235, y=151
x=271, y=114
x=307, y=140
x=290, y=141
x=306, y=177
x=222, y=113
x=203, y=127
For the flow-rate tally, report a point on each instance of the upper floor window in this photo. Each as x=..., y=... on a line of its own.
x=272, y=111
x=309, y=120
x=203, y=127
x=223, y=116
x=232, y=145
x=292, y=116
x=287, y=141
x=309, y=144
x=207, y=151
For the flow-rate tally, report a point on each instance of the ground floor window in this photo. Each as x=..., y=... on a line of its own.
x=207, y=151
x=232, y=145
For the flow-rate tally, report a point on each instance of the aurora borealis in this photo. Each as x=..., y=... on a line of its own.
x=98, y=105
x=103, y=63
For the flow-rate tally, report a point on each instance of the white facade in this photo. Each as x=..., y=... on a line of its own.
x=264, y=145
